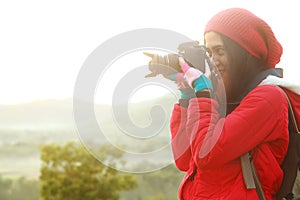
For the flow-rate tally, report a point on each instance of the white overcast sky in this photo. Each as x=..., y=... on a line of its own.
x=43, y=44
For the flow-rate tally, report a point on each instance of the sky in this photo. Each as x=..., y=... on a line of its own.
x=44, y=44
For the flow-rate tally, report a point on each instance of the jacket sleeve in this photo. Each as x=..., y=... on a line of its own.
x=180, y=141
x=215, y=141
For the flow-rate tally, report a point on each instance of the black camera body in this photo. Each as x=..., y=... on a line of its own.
x=193, y=53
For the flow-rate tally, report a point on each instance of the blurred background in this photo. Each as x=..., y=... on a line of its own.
x=43, y=46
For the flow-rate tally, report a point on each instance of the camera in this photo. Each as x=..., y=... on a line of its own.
x=193, y=53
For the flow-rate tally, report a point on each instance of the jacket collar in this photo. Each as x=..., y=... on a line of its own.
x=273, y=80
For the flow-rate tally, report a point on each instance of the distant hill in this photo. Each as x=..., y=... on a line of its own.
x=58, y=113
x=24, y=127
x=37, y=115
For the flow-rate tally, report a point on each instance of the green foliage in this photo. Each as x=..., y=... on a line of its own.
x=70, y=173
x=19, y=189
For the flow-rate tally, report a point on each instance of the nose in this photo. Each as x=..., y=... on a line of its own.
x=215, y=59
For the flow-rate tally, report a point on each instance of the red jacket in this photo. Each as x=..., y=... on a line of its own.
x=208, y=148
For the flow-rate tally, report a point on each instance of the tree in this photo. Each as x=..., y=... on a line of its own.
x=69, y=172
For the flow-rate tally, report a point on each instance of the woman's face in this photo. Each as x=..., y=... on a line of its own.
x=217, y=53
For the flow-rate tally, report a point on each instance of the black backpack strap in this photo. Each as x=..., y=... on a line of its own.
x=292, y=119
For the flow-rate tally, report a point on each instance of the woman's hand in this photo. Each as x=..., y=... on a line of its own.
x=195, y=78
x=186, y=92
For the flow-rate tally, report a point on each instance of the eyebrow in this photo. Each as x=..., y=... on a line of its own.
x=217, y=46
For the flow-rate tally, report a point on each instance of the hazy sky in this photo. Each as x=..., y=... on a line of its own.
x=43, y=44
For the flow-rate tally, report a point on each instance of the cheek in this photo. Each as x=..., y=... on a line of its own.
x=226, y=75
x=224, y=62
x=226, y=83
x=223, y=86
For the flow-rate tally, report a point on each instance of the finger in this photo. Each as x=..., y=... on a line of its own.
x=149, y=54
x=180, y=76
x=150, y=75
x=181, y=61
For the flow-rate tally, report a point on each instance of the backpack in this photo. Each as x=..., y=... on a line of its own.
x=290, y=164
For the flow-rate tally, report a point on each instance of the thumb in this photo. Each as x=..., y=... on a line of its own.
x=184, y=66
x=181, y=61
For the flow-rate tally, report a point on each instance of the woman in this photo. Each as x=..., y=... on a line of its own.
x=207, y=145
